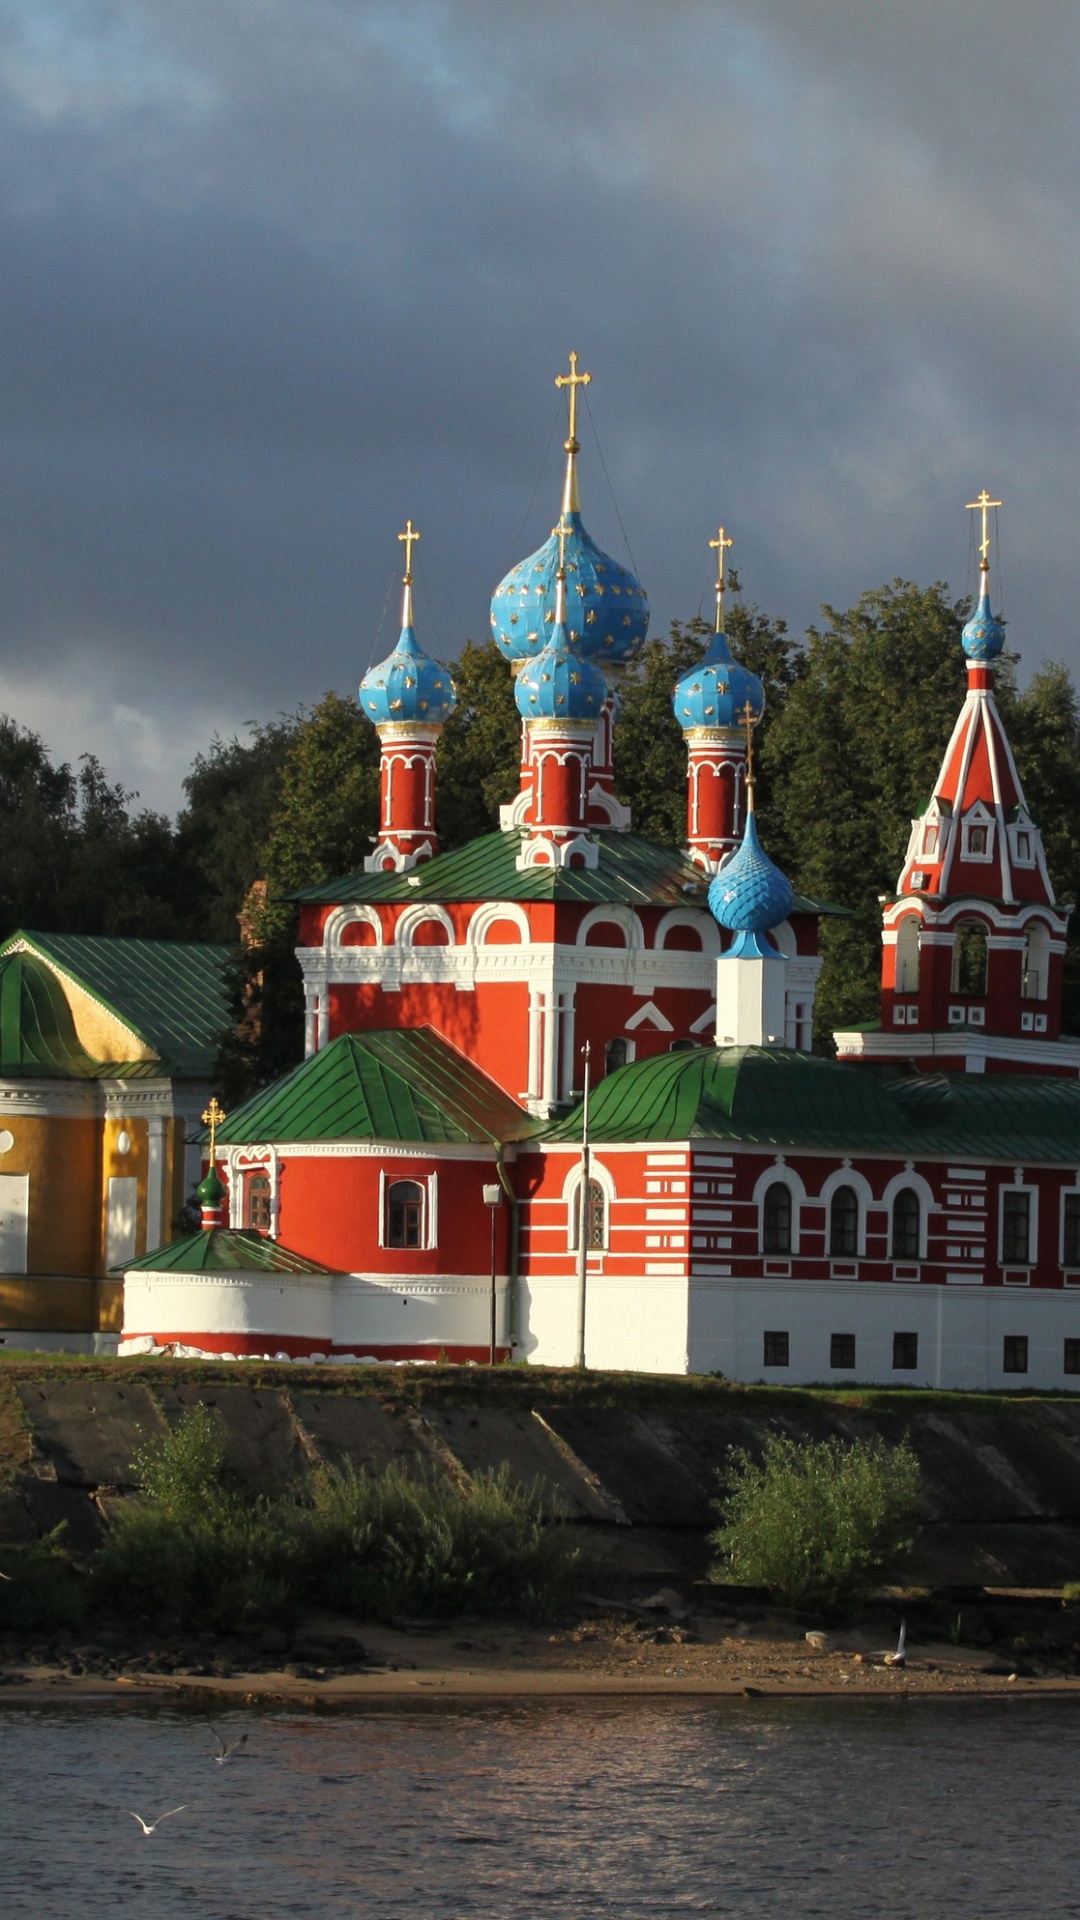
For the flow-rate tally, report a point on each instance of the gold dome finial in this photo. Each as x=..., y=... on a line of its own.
x=983, y=505
x=214, y=1117
x=749, y=720
x=721, y=543
x=573, y=380
x=561, y=533
x=410, y=536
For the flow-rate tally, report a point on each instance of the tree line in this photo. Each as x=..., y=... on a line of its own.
x=858, y=713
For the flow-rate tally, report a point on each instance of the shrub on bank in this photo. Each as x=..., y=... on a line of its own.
x=817, y=1522
x=363, y=1544
x=40, y=1590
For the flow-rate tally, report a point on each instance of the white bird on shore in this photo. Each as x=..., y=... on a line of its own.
x=225, y=1750
x=150, y=1827
x=899, y=1658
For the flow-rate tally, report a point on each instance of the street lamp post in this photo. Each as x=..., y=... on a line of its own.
x=583, y=1218
x=493, y=1201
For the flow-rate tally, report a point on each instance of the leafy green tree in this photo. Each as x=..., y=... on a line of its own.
x=233, y=792
x=479, y=758
x=852, y=758
x=1044, y=727
x=37, y=827
x=817, y=1522
x=323, y=825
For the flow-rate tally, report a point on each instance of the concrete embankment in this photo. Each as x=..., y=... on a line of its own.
x=631, y=1460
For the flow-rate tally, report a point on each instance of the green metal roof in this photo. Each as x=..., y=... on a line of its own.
x=772, y=1097
x=37, y=1033
x=170, y=993
x=223, y=1250
x=630, y=870
x=380, y=1086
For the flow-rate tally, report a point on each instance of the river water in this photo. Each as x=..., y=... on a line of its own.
x=631, y=1810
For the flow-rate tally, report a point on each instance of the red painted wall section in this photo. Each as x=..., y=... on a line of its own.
x=330, y=1212
x=702, y=1184
x=489, y=1025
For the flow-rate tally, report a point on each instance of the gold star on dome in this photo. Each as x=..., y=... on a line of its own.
x=590, y=616
x=575, y=679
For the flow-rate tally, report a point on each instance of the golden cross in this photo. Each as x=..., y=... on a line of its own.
x=562, y=534
x=983, y=505
x=749, y=719
x=214, y=1117
x=573, y=380
x=410, y=537
x=722, y=543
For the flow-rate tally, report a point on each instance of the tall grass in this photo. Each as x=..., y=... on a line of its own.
x=41, y=1590
x=196, y=1549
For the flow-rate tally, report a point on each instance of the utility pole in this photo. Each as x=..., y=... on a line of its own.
x=583, y=1218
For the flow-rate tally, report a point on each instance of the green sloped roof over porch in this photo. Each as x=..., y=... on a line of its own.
x=407, y=1086
x=224, y=1250
x=769, y=1096
x=630, y=871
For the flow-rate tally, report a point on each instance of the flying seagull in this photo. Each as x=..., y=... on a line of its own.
x=899, y=1658
x=152, y=1826
x=225, y=1749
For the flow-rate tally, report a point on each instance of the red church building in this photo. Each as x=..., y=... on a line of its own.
x=721, y=1199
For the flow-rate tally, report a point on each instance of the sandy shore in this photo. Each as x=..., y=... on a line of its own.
x=603, y=1659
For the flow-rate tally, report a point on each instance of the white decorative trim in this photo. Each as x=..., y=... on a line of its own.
x=701, y=923
x=650, y=1015
x=570, y=1194
x=343, y=917
x=622, y=917
x=415, y=917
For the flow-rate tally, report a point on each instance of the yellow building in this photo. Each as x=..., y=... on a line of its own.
x=107, y=1050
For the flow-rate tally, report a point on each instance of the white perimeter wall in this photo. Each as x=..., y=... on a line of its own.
x=636, y=1325
x=300, y=1306
x=455, y=1311
x=961, y=1331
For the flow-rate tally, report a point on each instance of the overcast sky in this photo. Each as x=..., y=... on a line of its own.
x=279, y=273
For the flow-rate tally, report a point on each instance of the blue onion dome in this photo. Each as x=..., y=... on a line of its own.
x=408, y=686
x=716, y=692
x=607, y=613
x=750, y=894
x=984, y=637
x=560, y=684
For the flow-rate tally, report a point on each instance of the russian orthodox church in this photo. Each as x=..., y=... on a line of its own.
x=558, y=1102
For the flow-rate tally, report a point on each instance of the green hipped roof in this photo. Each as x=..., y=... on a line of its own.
x=380, y=1086
x=630, y=870
x=223, y=1250
x=171, y=993
x=772, y=1097
x=37, y=1033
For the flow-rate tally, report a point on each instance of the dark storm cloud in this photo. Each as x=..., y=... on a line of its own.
x=279, y=273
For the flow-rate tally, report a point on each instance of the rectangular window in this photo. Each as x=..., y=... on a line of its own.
x=121, y=1208
x=1016, y=1226
x=14, y=1221
x=776, y=1350
x=905, y=1352
x=1070, y=1230
x=1072, y=1356
x=1014, y=1357
x=842, y=1350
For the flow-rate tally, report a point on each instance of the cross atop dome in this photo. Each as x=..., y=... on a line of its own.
x=722, y=542
x=983, y=637
x=573, y=380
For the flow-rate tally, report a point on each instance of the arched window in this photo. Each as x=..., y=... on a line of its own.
x=969, y=959
x=776, y=1218
x=595, y=1217
x=614, y=1056
x=844, y=1222
x=1036, y=961
x=907, y=954
x=906, y=1225
x=258, y=1202
x=404, y=1214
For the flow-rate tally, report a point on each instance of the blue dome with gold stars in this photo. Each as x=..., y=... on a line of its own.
x=408, y=686
x=984, y=637
x=607, y=613
x=559, y=684
x=716, y=693
x=750, y=894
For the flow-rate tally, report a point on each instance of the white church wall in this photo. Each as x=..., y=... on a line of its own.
x=454, y=1311
x=633, y=1323
x=240, y=1304
x=961, y=1332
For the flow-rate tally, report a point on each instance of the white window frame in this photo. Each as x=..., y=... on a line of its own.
x=571, y=1194
x=1019, y=1186
x=979, y=816
x=429, y=1225
x=847, y=1177
x=786, y=1176
x=927, y=1204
